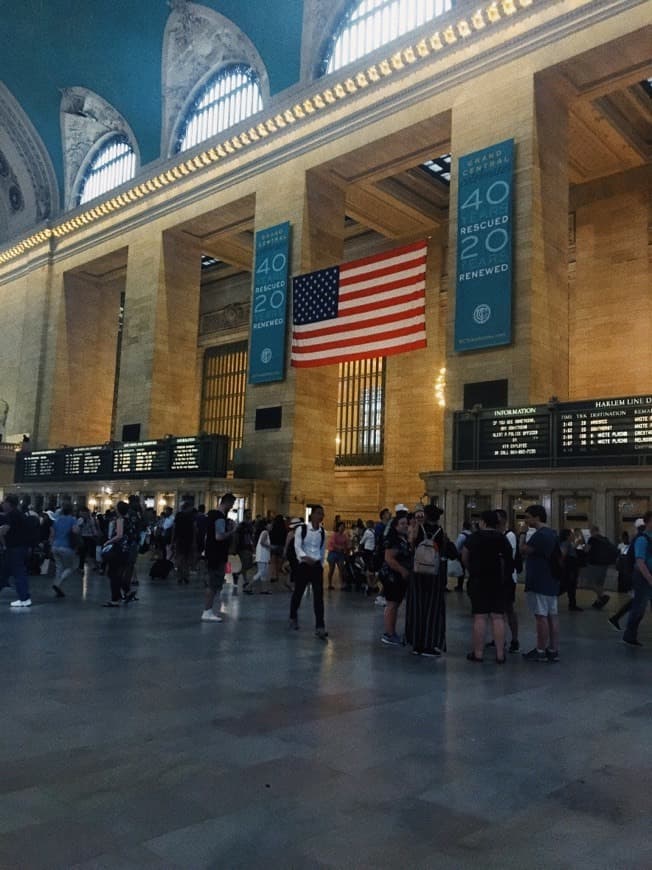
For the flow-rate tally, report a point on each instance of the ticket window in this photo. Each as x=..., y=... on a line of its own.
x=628, y=509
x=474, y=505
x=517, y=507
x=576, y=513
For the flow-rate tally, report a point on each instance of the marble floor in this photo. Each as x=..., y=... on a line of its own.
x=143, y=738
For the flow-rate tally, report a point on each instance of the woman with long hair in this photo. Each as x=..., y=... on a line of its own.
x=395, y=575
x=118, y=561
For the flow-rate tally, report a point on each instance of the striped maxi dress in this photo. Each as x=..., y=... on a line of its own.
x=425, y=617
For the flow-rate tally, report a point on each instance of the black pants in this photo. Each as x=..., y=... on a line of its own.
x=571, y=573
x=117, y=570
x=312, y=575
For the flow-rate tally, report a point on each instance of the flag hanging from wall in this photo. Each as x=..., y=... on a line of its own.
x=370, y=307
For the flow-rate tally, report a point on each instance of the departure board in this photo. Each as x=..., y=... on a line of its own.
x=201, y=455
x=514, y=436
x=84, y=461
x=39, y=465
x=593, y=432
x=605, y=430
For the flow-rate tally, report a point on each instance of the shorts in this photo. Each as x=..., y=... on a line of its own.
x=542, y=605
x=335, y=557
x=486, y=598
x=215, y=578
x=394, y=587
x=368, y=556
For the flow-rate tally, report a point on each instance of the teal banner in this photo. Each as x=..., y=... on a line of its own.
x=483, y=290
x=269, y=305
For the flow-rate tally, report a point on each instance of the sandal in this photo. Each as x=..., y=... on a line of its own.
x=471, y=657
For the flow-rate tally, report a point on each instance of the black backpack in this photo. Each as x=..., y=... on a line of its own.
x=304, y=531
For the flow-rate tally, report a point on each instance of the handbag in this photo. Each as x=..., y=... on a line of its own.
x=455, y=568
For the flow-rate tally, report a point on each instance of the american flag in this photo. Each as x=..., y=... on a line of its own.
x=370, y=307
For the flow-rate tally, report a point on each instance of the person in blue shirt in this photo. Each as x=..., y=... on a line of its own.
x=64, y=536
x=541, y=585
x=641, y=582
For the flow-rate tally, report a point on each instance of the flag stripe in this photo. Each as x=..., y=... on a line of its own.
x=402, y=327
x=378, y=303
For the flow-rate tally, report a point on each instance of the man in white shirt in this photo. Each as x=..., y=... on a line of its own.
x=309, y=546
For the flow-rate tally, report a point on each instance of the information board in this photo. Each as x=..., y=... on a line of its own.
x=605, y=430
x=201, y=455
x=593, y=432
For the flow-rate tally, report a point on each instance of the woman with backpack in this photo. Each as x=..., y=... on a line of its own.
x=425, y=620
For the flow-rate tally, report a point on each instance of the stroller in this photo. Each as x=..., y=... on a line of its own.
x=355, y=572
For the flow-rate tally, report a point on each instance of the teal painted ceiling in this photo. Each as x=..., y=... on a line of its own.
x=114, y=47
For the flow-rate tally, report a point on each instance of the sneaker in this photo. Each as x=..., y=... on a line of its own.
x=552, y=655
x=514, y=646
x=600, y=602
x=58, y=590
x=535, y=655
x=321, y=633
x=391, y=640
x=613, y=622
x=632, y=642
x=293, y=624
x=26, y=603
x=380, y=600
x=211, y=616
x=431, y=654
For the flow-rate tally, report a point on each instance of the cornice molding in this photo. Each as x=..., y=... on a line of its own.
x=334, y=93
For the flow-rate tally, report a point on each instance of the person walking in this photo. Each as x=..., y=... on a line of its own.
x=218, y=539
x=570, y=568
x=542, y=584
x=87, y=537
x=14, y=537
x=263, y=559
x=309, y=545
x=600, y=553
x=64, y=534
x=121, y=540
x=338, y=547
x=184, y=543
x=425, y=609
x=641, y=582
x=629, y=564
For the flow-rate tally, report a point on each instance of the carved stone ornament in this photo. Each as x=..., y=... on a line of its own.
x=230, y=317
x=86, y=119
x=29, y=193
x=197, y=42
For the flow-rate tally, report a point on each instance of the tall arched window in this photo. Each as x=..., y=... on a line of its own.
x=113, y=164
x=372, y=23
x=228, y=98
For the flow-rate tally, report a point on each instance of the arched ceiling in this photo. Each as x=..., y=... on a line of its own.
x=114, y=48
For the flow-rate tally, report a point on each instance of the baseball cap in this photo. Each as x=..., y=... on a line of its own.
x=401, y=508
x=294, y=522
x=639, y=522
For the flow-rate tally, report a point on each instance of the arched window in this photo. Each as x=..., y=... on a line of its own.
x=113, y=164
x=228, y=98
x=372, y=23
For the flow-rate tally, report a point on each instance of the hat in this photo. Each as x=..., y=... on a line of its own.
x=294, y=522
x=401, y=508
x=418, y=508
x=639, y=522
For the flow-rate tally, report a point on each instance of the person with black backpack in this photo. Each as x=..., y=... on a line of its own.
x=628, y=564
x=600, y=553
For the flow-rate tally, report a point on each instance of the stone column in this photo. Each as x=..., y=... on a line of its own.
x=301, y=453
x=533, y=112
x=158, y=384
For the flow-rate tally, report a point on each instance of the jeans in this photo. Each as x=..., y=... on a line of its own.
x=642, y=594
x=64, y=559
x=16, y=567
x=303, y=576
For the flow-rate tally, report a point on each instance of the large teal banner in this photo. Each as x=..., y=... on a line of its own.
x=269, y=305
x=483, y=291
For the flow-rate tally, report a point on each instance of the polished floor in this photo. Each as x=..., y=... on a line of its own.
x=143, y=738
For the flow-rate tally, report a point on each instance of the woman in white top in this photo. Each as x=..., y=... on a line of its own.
x=260, y=580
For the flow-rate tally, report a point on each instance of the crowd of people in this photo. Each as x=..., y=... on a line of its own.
x=405, y=556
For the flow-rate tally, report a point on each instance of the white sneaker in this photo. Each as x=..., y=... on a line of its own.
x=26, y=603
x=380, y=600
x=211, y=616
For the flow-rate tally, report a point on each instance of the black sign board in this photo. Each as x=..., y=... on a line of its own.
x=596, y=432
x=196, y=456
